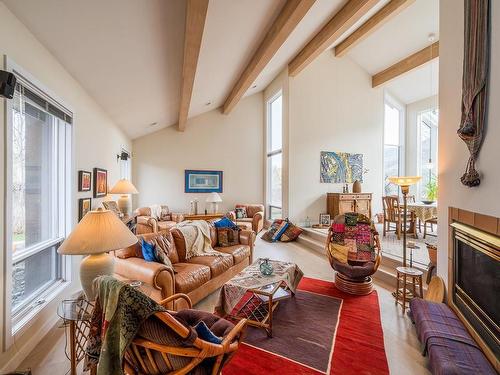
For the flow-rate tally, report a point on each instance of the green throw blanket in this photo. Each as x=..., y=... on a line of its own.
x=118, y=314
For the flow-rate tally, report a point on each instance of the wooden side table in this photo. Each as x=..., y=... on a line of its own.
x=409, y=285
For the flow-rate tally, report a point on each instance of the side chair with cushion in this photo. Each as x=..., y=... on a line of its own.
x=394, y=214
x=253, y=216
x=148, y=223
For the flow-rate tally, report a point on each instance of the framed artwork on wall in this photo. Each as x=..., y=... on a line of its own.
x=100, y=182
x=84, y=181
x=197, y=181
x=84, y=206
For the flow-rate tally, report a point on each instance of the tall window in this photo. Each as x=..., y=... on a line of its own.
x=427, y=123
x=38, y=196
x=274, y=156
x=393, y=144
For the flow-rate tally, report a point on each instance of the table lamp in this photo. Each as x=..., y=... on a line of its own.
x=97, y=233
x=124, y=187
x=214, y=198
x=404, y=182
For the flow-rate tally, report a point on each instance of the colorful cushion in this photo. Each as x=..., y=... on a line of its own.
x=148, y=251
x=225, y=222
x=351, y=219
x=279, y=232
x=241, y=212
x=227, y=237
x=268, y=235
x=339, y=252
x=291, y=233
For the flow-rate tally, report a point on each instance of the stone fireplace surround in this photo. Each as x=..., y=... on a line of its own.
x=488, y=229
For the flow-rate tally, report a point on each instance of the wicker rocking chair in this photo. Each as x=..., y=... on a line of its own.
x=145, y=357
x=353, y=274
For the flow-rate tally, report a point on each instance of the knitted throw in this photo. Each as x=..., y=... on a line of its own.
x=474, y=83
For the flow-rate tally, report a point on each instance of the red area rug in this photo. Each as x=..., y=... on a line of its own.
x=357, y=341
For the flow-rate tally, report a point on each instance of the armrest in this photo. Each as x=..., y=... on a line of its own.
x=148, y=221
x=177, y=217
x=167, y=302
x=247, y=237
x=258, y=221
x=236, y=332
x=156, y=274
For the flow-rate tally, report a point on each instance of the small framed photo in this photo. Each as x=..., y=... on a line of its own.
x=84, y=181
x=84, y=206
x=100, y=182
x=324, y=219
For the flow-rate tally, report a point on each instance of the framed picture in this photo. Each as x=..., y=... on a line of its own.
x=84, y=206
x=324, y=219
x=84, y=181
x=203, y=181
x=100, y=182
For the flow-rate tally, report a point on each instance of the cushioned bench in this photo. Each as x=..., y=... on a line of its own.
x=450, y=347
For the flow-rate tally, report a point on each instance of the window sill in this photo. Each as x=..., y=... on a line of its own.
x=24, y=322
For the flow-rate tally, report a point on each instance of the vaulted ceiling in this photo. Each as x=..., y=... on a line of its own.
x=128, y=54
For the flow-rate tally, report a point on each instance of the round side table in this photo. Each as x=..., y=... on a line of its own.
x=409, y=285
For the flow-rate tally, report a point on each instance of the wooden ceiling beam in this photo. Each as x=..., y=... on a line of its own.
x=409, y=63
x=292, y=13
x=345, y=18
x=196, y=14
x=391, y=9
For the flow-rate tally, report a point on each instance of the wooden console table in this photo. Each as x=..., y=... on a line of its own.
x=202, y=216
x=341, y=203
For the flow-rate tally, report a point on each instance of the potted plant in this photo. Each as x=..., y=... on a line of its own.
x=431, y=190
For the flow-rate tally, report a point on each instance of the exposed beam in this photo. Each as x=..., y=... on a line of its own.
x=291, y=14
x=411, y=62
x=338, y=24
x=391, y=9
x=196, y=13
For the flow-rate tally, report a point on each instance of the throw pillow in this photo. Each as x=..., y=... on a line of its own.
x=165, y=213
x=291, y=233
x=206, y=334
x=148, y=251
x=161, y=252
x=339, y=252
x=227, y=237
x=241, y=212
x=225, y=222
x=268, y=235
x=279, y=232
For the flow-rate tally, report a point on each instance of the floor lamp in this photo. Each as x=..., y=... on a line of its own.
x=404, y=183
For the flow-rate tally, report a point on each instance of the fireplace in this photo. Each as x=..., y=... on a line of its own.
x=474, y=281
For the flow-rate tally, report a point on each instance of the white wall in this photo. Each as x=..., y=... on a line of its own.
x=453, y=153
x=97, y=141
x=232, y=143
x=332, y=108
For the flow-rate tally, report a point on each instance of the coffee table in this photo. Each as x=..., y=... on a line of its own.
x=253, y=296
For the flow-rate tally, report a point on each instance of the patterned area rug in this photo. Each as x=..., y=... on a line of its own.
x=319, y=331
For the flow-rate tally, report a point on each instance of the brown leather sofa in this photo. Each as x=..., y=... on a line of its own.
x=148, y=224
x=197, y=277
x=255, y=219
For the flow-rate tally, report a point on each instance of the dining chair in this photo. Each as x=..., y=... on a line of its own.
x=394, y=214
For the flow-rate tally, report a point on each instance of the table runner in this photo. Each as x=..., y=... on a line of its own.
x=251, y=278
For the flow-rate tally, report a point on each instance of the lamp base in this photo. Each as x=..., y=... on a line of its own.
x=92, y=266
x=124, y=204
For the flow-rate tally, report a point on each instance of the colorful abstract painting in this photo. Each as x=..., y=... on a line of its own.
x=340, y=167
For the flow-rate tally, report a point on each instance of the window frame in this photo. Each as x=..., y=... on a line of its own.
x=269, y=153
x=433, y=128
x=17, y=323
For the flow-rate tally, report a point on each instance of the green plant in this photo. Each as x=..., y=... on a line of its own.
x=432, y=189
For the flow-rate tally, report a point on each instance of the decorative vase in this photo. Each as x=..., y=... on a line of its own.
x=266, y=268
x=356, y=187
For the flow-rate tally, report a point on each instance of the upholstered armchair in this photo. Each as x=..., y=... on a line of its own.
x=148, y=223
x=255, y=216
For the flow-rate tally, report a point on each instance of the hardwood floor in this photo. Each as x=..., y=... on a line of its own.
x=402, y=347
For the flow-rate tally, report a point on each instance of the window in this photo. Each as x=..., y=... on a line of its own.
x=393, y=144
x=39, y=168
x=427, y=123
x=274, y=156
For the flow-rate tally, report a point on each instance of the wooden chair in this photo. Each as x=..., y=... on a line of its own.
x=394, y=214
x=144, y=357
x=431, y=222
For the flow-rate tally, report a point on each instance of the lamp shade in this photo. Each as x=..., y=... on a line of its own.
x=98, y=232
x=123, y=186
x=214, y=198
x=404, y=180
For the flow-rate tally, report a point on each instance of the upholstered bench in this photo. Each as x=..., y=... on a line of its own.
x=450, y=348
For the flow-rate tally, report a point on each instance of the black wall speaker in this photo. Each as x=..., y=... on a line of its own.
x=7, y=84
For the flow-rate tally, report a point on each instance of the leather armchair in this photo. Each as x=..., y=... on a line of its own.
x=255, y=217
x=146, y=223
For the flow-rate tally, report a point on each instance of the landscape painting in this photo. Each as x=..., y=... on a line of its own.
x=340, y=167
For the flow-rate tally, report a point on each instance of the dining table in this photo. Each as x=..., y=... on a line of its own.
x=423, y=211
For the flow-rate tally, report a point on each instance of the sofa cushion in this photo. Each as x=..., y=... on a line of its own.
x=217, y=264
x=239, y=252
x=132, y=251
x=190, y=276
x=245, y=225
